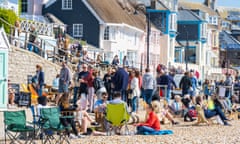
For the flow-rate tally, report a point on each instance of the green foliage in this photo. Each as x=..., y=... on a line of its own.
x=9, y=16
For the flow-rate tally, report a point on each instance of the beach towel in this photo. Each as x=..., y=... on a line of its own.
x=160, y=132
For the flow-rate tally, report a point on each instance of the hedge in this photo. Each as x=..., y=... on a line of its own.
x=9, y=16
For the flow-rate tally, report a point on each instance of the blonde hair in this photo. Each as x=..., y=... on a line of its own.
x=156, y=106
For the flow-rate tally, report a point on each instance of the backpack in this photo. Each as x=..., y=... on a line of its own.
x=98, y=83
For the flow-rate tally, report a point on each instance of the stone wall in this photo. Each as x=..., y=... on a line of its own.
x=23, y=63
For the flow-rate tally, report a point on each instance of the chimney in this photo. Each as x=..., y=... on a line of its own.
x=213, y=4
x=207, y=3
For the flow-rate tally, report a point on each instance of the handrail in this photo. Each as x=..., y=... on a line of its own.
x=25, y=41
x=43, y=42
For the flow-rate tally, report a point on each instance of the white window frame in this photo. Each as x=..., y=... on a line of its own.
x=106, y=34
x=25, y=3
x=68, y=5
x=77, y=30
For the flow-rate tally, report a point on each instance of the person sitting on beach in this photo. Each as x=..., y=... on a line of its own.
x=187, y=108
x=151, y=125
x=11, y=95
x=83, y=118
x=213, y=109
x=163, y=113
x=176, y=106
x=100, y=109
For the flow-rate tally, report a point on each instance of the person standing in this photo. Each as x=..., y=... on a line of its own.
x=64, y=81
x=32, y=40
x=185, y=84
x=115, y=60
x=167, y=81
x=120, y=82
x=39, y=79
x=83, y=89
x=228, y=82
x=125, y=61
x=107, y=82
x=148, y=84
x=193, y=91
x=89, y=80
x=76, y=85
x=134, y=86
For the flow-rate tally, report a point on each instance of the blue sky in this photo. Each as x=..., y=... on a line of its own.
x=227, y=3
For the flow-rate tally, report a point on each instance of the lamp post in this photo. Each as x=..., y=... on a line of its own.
x=186, y=51
x=148, y=35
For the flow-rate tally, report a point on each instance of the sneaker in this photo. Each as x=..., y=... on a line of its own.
x=175, y=123
x=81, y=136
x=227, y=124
x=72, y=136
x=94, y=123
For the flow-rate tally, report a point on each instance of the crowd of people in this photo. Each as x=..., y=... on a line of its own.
x=93, y=90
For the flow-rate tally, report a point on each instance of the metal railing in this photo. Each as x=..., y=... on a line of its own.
x=40, y=47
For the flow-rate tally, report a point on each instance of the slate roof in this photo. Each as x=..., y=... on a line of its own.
x=195, y=5
x=110, y=11
x=228, y=42
x=188, y=15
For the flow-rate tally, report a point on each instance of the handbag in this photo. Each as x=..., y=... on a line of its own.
x=130, y=91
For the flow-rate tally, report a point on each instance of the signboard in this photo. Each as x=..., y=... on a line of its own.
x=177, y=78
x=24, y=99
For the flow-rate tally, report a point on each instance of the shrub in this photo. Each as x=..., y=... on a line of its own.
x=9, y=16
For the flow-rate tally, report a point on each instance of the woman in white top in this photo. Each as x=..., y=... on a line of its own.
x=134, y=86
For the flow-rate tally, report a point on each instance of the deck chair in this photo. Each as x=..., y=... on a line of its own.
x=117, y=116
x=51, y=124
x=15, y=125
x=34, y=94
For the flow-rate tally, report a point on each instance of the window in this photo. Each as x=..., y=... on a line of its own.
x=132, y=57
x=213, y=20
x=24, y=6
x=77, y=30
x=172, y=22
x=106, y=33
x=66, y=4
x=204, y=30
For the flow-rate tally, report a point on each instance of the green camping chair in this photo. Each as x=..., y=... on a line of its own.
x=15, y=126
x=117, y=116
x=51, y=124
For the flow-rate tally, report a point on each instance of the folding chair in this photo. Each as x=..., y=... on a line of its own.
x=50, y=121
x=15, y=126
x=117, y=116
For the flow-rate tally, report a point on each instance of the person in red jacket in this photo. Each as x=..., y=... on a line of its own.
x=152, y=123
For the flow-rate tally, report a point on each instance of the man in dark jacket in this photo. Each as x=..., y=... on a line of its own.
x=185, y=83
x=120, y=82
x=167, y=81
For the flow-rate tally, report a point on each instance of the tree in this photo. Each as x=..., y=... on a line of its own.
x=7, y=19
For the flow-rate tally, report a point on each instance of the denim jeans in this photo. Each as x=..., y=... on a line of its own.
x=142, y=129
x=216, y=111
x=75, y=95
x=147, y=94
x=39, y=90
x=168, y=96
x=134, y=104
x=124, y=95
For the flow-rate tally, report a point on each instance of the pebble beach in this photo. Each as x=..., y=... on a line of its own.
x=184, y=133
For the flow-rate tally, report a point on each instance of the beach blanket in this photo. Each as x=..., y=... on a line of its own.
x=161, y=132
